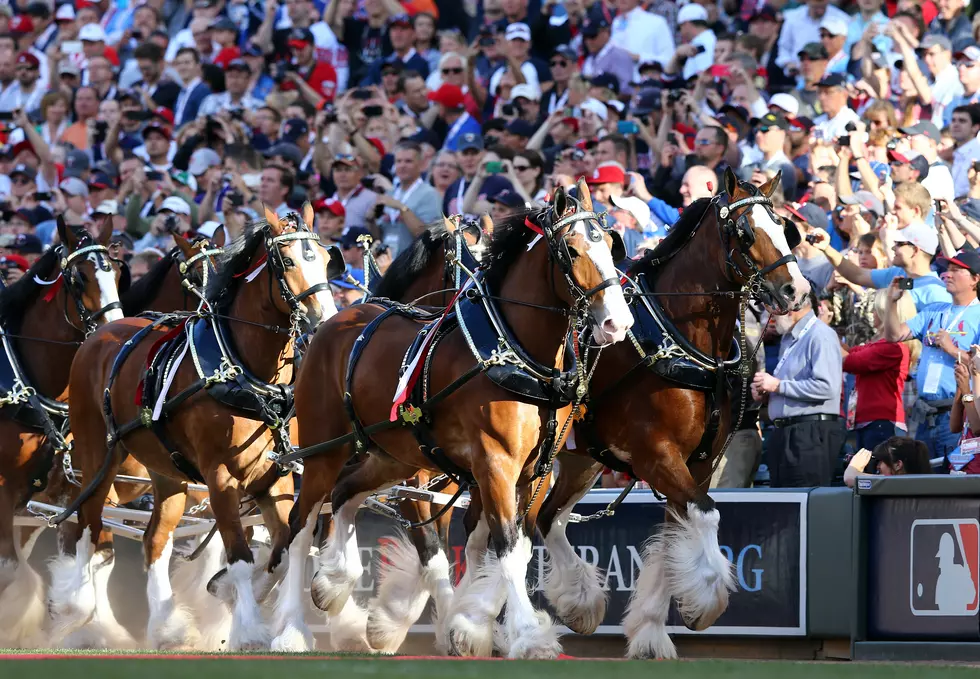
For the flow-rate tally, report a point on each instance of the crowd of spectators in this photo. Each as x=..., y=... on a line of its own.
x=188, y=116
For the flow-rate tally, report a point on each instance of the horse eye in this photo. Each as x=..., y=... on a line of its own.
x=287, y=262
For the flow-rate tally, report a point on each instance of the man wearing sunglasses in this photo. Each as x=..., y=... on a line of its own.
x=770, y=138
x=564, y=64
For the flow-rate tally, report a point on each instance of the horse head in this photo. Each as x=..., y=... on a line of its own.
x=301, y=266
x=91, y=275
x=584, y=251
x=759, y=245
x=198, y=260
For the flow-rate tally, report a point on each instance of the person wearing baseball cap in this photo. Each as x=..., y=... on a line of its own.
x=967, y=61
x=947, y=330
x=315, y=80
x=770, y=139
x=837, y=115
x=607, y=180
x=925, y=139
x=913, y=251
x=156, y=145
x=236, y=97
x=812, y=58
x=605, y=59
x=401, y=35
x=517, y=50
x=833, y=36
x=174, y=216
x=27, y=91
x=504, y=204
x=451, y=103
x=330, y=214
x=469, y=155
x=697, y=53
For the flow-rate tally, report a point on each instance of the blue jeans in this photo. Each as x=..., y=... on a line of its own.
x=873, y=433
x=935, y=433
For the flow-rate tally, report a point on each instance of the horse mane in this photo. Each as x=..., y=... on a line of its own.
x=17, y=298
x=678, y=235
x=232, y=262
x=411, y=262
x=137, y=299
x=510, y=239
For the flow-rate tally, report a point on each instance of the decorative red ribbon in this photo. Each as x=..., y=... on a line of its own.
x=252, y=268
x=54, y=288
x=534, y=227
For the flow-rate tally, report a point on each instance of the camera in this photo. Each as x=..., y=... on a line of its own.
x=237, y=114
x=811, y=238
x=378, y=211
x=844, y=140
x=235, y=199
x=41, y=196
x=329, y=114
x=674, y=96
x=280, y=69
x=170, y=224
x=138, y=116
x=905, y=283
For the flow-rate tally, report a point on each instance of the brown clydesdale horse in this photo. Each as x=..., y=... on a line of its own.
x=558, y=259
x=272, y=278
x=70, y=290
x=655, y=425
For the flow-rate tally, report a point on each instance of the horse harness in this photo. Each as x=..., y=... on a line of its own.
x=220, y=373
x=476, y=314
x=667, y=353
x=21, y=401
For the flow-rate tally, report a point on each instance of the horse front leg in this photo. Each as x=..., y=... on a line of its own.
x=572, y=586
x=22, y=610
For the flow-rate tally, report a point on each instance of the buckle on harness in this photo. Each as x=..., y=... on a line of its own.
x=146, y=417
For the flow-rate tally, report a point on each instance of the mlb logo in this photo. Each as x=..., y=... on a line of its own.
x=944, y=573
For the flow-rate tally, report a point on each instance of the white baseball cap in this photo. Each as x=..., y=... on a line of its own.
x=691, y=12
x=65, y=13
x=107, y=207
x=596, y=107
x=635, y=206
x=518, y=31
x=176, y=205
x=787, y=102
x=920, y=235
x=91, y=33
x=208, y=228
x=834, y=25
x=529, y=92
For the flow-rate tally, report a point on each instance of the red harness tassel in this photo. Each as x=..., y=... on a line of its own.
x=252, y=268
x=53, y=288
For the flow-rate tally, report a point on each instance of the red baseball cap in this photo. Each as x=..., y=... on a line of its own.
x=792, y=209
x=450, y=96
x=572, y=122
x=21, y=24
x=18, y=261
x=165, y=113
x=897, y=157
x=226, y=56
x=28, y=58
x=608, y=173
x=331, y=205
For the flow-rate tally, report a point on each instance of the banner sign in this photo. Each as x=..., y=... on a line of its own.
x=763, y=533
x=924, y=568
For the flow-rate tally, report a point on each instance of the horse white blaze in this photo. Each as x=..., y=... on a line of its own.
x=613, y=318
x=315, y=271
x=108, y=289
x=763, y=220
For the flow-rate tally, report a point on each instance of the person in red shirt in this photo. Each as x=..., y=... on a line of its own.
x=316, y=81
x=880, y=369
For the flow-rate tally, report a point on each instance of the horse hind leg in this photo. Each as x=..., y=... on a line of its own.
x=170, y=625
x=408, y=574
x=572, y=586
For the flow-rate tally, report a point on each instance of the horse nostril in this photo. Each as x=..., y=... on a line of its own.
x=788, y=291
x=609, y=326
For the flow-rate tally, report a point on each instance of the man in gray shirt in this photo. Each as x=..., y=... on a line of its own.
x=410, y=204
x=804, y=401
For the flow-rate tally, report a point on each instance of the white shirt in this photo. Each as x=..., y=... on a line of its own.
x=831, y=128
x=939, y=182
x=799, y=29
x=945, y=88
x=963, y=158
x=530, y=77
x=588, y=66
x=704, y=60
x=222, y=102
x=644, y=33
x=16, y=98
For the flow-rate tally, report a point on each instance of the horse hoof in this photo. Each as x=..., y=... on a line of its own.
x=469, y=639
x=216, y=587
x=577, y=597
x=330, y=596
x=650, y=643
x=292, y=639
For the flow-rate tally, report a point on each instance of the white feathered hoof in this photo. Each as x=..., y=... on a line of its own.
x=385, y=634
x=576, y=596
x=175, y=631
x=470, y=638
x=254, y=638
x=22, y=609
x=649, y=642
x=330, y=595
x=535, y=643
x=348, y=630
x=645, y=623
x=293, y=639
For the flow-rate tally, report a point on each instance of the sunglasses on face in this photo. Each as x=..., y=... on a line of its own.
x=521, y=168
x=452, y=71
x=764, y=129
x=20, y=180
x=703, y=142
x=558, y=63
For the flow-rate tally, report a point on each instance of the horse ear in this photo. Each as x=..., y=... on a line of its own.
x=731, y=182
x=220, y=237
x=271, y=217
x=450, y=223
x=560, y=202
x=105, y=230
x=486, y=223
x=66, y=235
x=308, y=215
x=335, y=262
x=769, y=187
x=585, y=197
x=183, y=245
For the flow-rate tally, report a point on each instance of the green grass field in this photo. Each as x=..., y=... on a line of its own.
x=319, y=667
